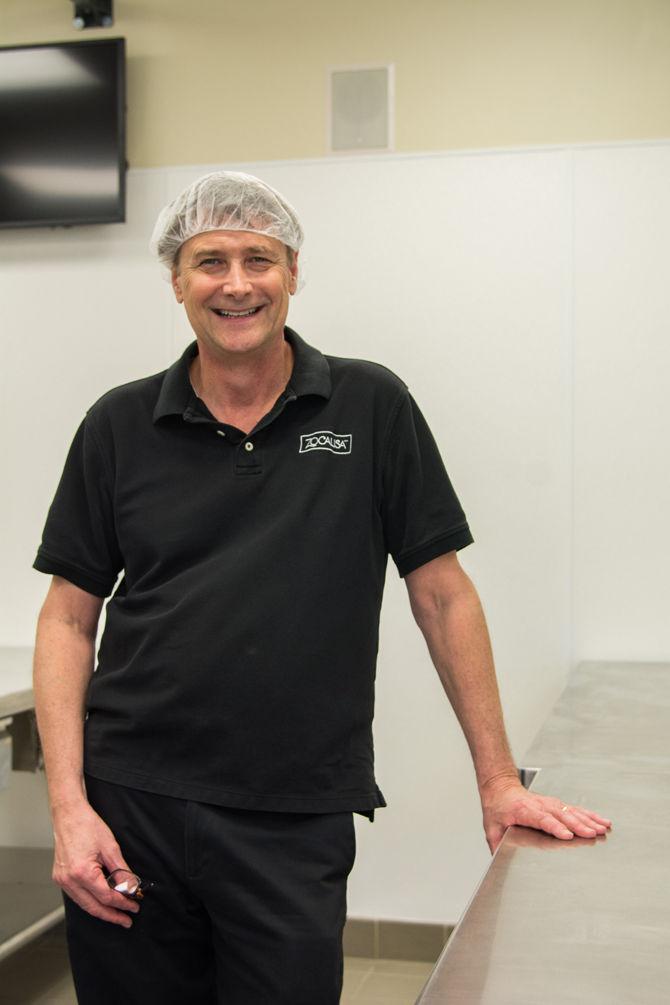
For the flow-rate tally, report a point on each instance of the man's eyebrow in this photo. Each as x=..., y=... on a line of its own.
x=207, y=253
x=254, y=249
x=260, y=249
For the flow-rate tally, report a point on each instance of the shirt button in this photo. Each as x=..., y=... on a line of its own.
x=220, y=432
x=248, y=446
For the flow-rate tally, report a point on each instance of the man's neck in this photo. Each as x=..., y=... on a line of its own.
x=240, y=390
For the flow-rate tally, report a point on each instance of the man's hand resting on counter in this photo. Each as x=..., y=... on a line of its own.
x=448, y=611
x=506, y=803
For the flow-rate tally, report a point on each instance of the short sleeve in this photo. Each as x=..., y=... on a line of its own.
x=79, y=541
x=421, y=513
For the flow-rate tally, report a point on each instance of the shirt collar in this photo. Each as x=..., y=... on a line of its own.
x=310, y=375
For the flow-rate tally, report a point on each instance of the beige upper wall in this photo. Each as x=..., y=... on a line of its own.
x=215, y=81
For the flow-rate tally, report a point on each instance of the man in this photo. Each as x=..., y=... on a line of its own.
x=249, y=496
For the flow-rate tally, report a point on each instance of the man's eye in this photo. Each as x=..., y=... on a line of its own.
x=209, y=262
x=259, y=260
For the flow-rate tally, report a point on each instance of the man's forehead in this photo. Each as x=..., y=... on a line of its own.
x=221, y=240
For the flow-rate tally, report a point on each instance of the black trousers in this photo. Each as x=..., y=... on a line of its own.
x=247, y=909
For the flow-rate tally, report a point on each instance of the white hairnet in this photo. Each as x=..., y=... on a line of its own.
x=224, y=200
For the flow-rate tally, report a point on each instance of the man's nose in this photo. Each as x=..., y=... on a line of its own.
x=236, y=282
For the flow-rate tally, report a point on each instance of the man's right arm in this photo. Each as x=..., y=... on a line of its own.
x=64, y=659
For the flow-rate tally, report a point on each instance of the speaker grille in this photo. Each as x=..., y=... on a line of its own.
x=361, y=108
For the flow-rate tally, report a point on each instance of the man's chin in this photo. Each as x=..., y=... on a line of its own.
x=242, y=343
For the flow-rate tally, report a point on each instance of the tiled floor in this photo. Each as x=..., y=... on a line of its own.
x=39, y=975
x=383, y=982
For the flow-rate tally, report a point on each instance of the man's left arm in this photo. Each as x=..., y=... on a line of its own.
x=447, y=609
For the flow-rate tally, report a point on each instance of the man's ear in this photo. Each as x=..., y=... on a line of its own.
x=176, y=286
x=293, y=269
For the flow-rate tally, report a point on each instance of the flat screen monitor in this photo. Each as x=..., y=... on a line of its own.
x=62, y=133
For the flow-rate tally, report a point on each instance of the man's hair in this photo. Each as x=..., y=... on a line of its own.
x=225, y=200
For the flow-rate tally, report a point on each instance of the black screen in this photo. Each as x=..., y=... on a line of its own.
x=62, y=133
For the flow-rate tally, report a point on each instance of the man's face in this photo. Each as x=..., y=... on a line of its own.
x=235, y=287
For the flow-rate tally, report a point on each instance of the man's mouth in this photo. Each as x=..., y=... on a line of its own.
x=236, y=314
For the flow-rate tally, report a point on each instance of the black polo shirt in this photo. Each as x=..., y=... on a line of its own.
x=237, y=664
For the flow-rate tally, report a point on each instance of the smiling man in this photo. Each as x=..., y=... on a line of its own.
x=235, y=287
x=240, y=509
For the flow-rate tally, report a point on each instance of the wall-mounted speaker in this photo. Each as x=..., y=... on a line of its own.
x=361, y=108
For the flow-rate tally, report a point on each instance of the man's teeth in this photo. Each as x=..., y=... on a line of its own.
x=236, y=314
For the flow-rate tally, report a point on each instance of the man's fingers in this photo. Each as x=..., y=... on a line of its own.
x=583, y=822
x=90, y=890
x=89, y=903
x=582, y=828
x=548, y=823
x=568, y=822
x=108, y=897
x=594, y=818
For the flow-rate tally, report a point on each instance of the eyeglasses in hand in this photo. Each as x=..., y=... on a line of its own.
x=128, y=884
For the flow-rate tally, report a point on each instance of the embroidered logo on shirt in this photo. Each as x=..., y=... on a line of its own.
x=323, y=439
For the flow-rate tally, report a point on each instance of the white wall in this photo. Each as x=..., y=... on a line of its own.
x=622, y=404
x=497, y=285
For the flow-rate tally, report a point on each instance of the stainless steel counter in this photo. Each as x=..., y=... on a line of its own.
x=16, y=693
x=582, y=921
x=29, y=902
